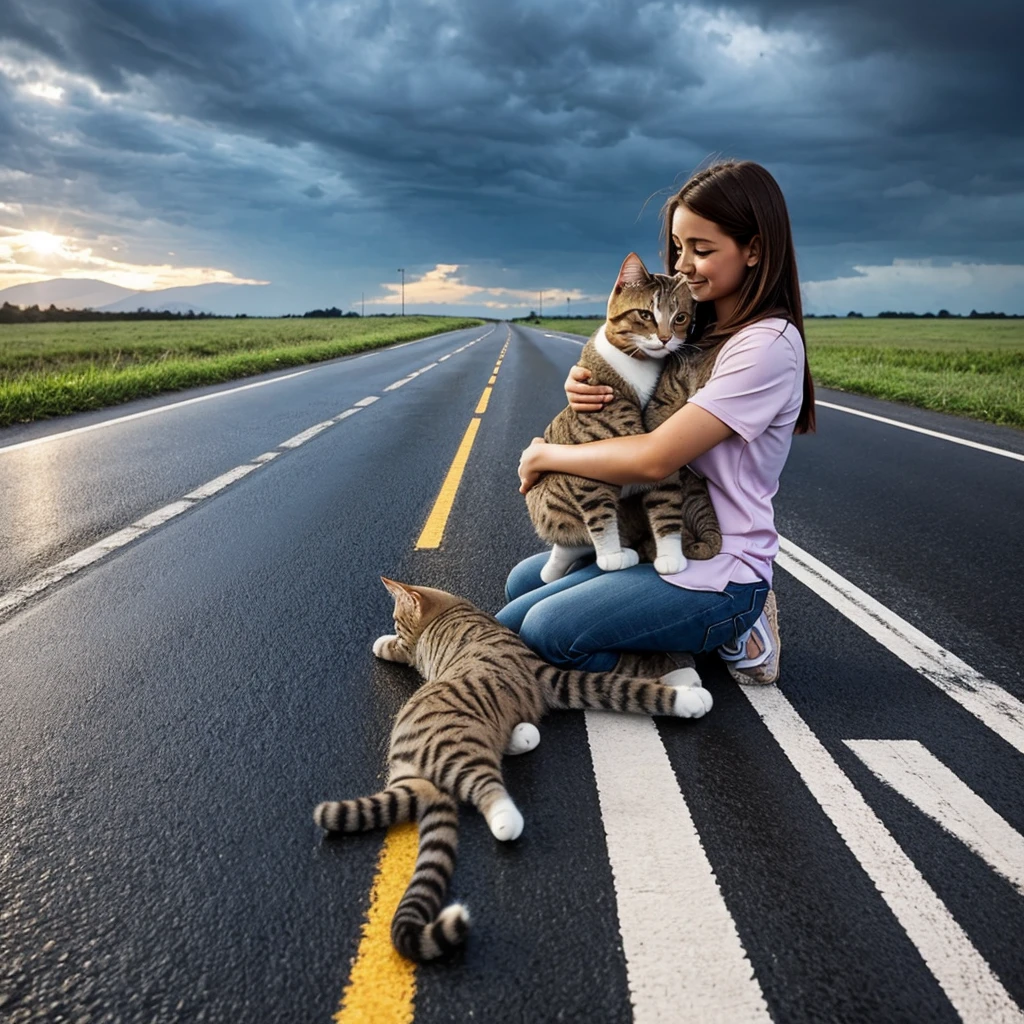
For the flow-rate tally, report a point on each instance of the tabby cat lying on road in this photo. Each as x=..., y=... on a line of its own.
x=485, y=692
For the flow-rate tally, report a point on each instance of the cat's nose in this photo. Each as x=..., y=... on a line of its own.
x=665, y=340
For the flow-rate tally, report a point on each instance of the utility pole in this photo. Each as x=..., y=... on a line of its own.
x=362, y=303
x=401, y=270
x=567, y=301
x=540, y=302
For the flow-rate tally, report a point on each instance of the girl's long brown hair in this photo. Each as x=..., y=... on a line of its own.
x=744, y=200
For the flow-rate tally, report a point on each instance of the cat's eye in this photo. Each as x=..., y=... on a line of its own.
x=681, y=318
x=645, y=314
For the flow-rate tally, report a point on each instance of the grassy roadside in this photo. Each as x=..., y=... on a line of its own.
x=972, y=368
x=55, y=369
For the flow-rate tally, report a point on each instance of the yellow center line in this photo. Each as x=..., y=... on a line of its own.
x=382, y=985
x=433, y=529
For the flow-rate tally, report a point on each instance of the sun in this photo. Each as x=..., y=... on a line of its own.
x=42, y=242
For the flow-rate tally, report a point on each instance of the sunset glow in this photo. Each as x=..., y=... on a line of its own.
x=43, y=242
x=30, y=256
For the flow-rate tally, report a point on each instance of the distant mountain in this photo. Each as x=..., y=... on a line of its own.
x=66, y=293
x=221, y=299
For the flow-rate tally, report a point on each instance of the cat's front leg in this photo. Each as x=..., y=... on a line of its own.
x=390, y=648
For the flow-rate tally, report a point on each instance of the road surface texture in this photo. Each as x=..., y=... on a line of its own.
x=189, y=590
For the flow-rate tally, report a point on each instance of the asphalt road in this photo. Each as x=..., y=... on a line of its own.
x=173, y=711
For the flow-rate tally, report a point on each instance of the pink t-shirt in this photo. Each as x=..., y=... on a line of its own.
x=757, y=388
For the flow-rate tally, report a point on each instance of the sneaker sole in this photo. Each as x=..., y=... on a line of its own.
x=768, y=673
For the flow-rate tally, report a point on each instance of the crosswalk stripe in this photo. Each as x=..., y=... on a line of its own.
x=991, y=704
x=908, y=767
x=961, y=971
x=684, y=959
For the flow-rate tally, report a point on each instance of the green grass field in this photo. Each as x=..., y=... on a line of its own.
x=55, y=369
x=970, y=367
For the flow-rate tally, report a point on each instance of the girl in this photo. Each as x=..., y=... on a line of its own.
x=728, y=232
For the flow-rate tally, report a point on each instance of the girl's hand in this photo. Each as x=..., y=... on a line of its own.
x=528, y=475
x=583, y=397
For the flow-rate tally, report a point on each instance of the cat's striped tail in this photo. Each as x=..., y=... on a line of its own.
x=420, y=930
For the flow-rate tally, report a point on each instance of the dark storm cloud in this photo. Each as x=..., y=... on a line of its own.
x=890, y=125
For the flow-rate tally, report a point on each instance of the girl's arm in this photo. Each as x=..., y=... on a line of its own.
x=639, y=458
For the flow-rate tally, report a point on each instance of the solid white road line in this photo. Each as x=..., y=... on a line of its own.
x=920, y=777
x=204, y=398
x=684, y=959
x=14, y=599
x=961, y=971
x=147, y=412
x=921, y=430
x=991, y=704
x=562, y=337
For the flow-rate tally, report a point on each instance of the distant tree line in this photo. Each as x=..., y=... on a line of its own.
x=333, y=311
x=10, y=314
x=943, y=314
x=34, y=315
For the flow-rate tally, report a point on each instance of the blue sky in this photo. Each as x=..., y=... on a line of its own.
x=497, y=151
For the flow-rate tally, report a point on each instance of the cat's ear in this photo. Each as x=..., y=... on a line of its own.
x=402, y=594
x=632, y=271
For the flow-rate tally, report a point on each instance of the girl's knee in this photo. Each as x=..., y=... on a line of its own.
x=543, y=631
x=524, y=577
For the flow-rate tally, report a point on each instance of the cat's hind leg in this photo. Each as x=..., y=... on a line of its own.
x=401, y=801
x=478, y=779
x=561, y=557
x=663, y=507
x=598, y=505
x=504, y=819
x=525, y=737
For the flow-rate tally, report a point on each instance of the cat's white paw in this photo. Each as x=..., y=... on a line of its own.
x=382, y=647
x=525, y=736
x=687, y=677
x=623, y=559
x=691, y=701
x=668, y=564
x=505, y=821
x=551, y=572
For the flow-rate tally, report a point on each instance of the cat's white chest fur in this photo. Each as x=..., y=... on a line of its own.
x=642, y=374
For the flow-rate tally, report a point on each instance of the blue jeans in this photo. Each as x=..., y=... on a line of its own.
x=588, y=616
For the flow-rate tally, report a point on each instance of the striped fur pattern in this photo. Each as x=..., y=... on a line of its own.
x=484, y=691
x=686, y=371
x=649, y=316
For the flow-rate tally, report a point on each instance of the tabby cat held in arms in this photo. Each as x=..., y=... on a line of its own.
x=485, y=692
x=641, y=351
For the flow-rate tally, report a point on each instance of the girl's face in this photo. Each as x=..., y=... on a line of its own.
x=712, y=263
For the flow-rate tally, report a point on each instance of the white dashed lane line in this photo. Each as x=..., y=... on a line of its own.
x=684, y=957
x=908, y=767
x=995, y=707
x=961, y=971
x=14, y=599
